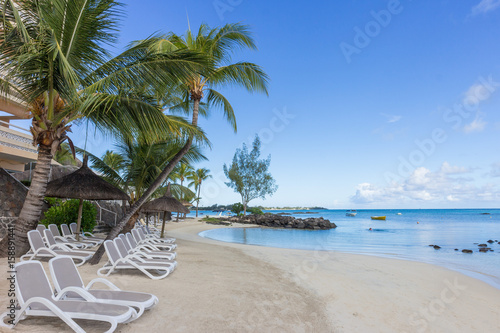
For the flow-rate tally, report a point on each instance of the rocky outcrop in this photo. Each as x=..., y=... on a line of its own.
x=279, y=221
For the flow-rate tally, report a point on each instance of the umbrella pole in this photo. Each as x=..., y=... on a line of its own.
x=79, y=221
x=147, y=219
x=163, y=225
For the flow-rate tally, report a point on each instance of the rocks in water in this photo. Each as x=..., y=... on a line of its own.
x=484, y=249
x=482, y=245
x=456, y=249
x=466, y=251
x=280, y=221
x=490, y=241
x=437, y=247
x=431, y=245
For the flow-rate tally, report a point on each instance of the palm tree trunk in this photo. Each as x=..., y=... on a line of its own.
x=32, y=208
x=182, y=180
x=130, y=224
x=198, y=201
x=157, y=183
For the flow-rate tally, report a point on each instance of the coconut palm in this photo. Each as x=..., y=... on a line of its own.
x=218, y=45
x=196, y=178
x=53, y=58
x=181, y=172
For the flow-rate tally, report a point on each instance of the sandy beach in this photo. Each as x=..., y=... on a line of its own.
x=224, y=287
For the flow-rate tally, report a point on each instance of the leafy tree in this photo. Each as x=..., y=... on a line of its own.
x=248, y=175
x=217, y=46
x=197, y=177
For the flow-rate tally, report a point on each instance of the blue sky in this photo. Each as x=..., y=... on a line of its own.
x=372, y=104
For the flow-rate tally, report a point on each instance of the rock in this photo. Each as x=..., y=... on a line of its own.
x=437, y=247
x=456, y=249
x=283, y=221
x=490, y=241
x=482, y=245
x=431, y=245
x=484, y=249
x=466, y=251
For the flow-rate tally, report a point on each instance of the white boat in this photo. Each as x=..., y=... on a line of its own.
x=351, y=213
x=399, y=214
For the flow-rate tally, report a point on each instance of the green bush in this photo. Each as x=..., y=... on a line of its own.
x=237, y=208
x=66, y=212
x=255, y=210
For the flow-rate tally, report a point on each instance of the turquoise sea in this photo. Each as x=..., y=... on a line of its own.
x=400, y=236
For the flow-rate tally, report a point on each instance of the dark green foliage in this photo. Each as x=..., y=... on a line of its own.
x=255, y=210
x=248, y=174
x=237, y=208
x=67, y=212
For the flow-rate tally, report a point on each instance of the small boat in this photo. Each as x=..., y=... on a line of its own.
x=399, y=214
x=351, y=213
x=378, y=218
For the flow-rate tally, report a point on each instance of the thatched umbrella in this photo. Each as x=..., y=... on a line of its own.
x=83, y=184
x=166, y=204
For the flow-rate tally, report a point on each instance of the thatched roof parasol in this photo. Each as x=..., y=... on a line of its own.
x=84, y=184
x=167, y=203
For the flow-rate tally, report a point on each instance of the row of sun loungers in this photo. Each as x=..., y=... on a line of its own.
x=141, y=250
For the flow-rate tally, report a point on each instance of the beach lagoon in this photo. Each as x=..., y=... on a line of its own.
x=405, y=236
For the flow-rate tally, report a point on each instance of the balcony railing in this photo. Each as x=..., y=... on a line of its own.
x=21, y=139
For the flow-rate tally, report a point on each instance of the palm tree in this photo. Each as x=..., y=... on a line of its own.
x=218, y=46
x=197, y=177
x=52, y=57
x=140, y=165
x=64, y=155
x=181, y=172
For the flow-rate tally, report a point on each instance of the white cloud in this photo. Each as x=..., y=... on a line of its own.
x=477, y=125
x=446, y=168
x=495, y=171
x=476, y=93
x=392, y=118
x=485, y=6
x=425, y=185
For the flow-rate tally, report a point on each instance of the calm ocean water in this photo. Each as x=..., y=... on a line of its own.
x=399, y=236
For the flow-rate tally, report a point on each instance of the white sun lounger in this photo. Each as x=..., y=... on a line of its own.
x=144, y=250
x=51, y=242
x=85, y=234
x=156, y=235
x=60, y=239
x=34, y=294
x=39, y=250
x=65, y=274
x=120, y=246
x=68, y=235
x=141, y=239
x=116, y=262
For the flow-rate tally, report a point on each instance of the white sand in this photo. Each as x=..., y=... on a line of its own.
x=240, y=288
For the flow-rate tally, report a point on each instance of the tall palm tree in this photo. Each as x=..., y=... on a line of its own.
x=218, y=45
x=197, y=177
x=53, y=58
x=181, y=172
x=114, y=161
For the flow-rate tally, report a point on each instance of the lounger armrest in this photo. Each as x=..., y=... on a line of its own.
x=134, y=256
x=86, y=233
x=80, y=291
x=61, y=247
x=103, y=281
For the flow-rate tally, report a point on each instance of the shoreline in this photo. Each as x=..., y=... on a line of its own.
x=230, y=287
x=409, y=291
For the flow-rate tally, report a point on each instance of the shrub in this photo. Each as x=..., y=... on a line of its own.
x=237, y=208
x=66, y=212
x=255, y=210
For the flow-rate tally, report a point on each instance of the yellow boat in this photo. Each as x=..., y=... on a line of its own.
x=378, y=218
